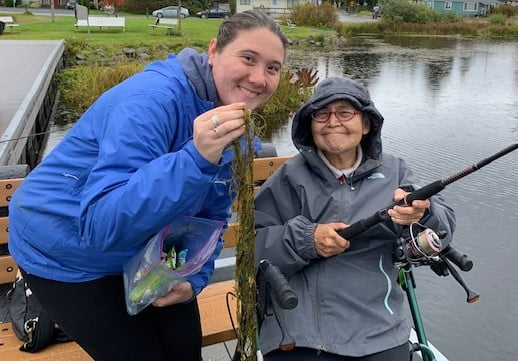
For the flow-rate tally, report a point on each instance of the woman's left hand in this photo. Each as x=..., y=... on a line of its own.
x=406, y=215
x=180, y=293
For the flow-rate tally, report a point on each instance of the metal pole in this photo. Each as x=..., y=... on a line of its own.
x=416, y=314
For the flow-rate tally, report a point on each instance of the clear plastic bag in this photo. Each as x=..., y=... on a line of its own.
x=148, y=275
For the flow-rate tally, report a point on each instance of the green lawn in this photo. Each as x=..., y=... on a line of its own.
x=195, y=32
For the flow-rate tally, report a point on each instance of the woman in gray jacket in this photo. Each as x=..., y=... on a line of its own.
x=350, y=306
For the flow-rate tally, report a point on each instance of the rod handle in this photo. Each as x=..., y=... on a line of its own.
x=422, y=193
x=280, y=289
x=362, y=225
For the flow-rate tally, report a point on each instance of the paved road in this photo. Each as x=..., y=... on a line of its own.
x=44, y=11
x=346, y=18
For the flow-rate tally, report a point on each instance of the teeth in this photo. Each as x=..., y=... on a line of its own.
x=248, y=92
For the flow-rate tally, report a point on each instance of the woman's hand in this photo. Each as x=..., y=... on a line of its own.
x=180, y=293
x=214, y=129
x=406, y=215
x=327, y=240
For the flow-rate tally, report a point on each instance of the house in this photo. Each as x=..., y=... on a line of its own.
x=272, y=7
x=509, y=2
x=462, y=7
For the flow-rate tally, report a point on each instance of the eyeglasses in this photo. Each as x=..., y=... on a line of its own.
x=343, y=115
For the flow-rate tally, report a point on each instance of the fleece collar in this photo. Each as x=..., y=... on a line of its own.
x=199, y=73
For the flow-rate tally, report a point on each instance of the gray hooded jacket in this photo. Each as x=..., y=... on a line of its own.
x=349, y=304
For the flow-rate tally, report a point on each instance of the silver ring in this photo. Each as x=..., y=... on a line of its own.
x=215, y=130
x=215, y=121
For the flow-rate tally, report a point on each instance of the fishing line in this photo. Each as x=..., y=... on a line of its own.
x=30, y=135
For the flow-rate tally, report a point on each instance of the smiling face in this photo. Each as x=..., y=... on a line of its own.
x=248, y=68
x=339, y=140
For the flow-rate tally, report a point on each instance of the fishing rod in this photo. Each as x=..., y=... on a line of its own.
x=420, y=194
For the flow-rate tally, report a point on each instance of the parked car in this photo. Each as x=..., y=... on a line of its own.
x=214, y=13
x=170, y=12
x=71, y=4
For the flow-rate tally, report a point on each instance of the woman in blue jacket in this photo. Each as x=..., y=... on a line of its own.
x=148, y=151
x=350, y=306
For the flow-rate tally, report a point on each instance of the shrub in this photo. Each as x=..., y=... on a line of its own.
x=81, y=86
x=404, y=11
x=293, y=90
x=500, y=19
x=324, y=15
x=506, y=9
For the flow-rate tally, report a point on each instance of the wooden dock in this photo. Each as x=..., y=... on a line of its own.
x=28, y=96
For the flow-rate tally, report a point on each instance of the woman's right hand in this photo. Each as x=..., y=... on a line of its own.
x=327, y=240
x=214, y=129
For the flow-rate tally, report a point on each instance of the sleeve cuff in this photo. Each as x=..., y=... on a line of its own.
x=204, y=165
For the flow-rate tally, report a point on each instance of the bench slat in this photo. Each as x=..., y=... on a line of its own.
x=215, y=320
x=264, y=167
x=4, y=224
x=8, y=269
x=7, y=188
x=9, y=349
x=102, y=21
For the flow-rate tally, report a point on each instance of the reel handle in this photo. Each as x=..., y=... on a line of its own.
x=460, y=260
x=471, y=296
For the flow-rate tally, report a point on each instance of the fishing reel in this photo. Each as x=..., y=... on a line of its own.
x=421, y=247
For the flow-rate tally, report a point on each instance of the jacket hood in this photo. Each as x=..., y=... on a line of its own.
x=328, y=91
x=199, y=73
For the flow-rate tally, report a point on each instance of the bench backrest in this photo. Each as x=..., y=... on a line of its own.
x=81, y=12
x=167, y=21
x=106, y=21
x=263, y=168
x=6, y=19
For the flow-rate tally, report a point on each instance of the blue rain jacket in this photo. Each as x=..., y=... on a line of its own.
x=124, y=171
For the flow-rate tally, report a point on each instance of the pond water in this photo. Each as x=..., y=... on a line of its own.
x=448, y=103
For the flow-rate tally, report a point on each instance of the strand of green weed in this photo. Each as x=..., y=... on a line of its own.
x=245, y=262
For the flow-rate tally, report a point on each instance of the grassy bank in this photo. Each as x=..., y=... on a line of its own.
x=466, y=27
x=194, y=31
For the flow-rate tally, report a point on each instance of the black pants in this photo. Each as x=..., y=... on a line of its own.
x=400, y=353
x=94, y=314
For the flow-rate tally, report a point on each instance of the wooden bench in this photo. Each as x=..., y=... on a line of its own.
x=102, y=22
x=165, y=23
x=9, y=22
x=8, y=267
x=215, y=319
